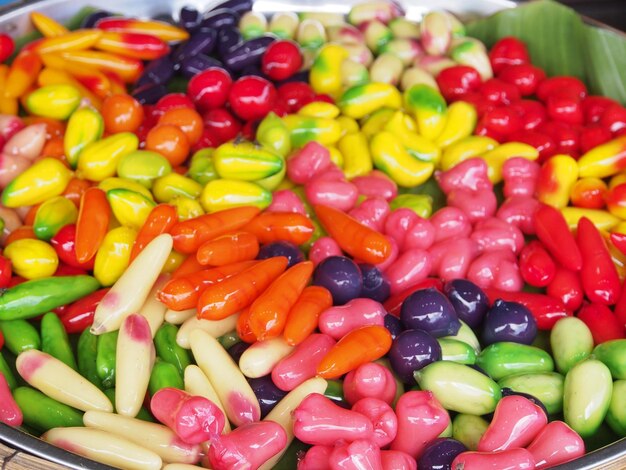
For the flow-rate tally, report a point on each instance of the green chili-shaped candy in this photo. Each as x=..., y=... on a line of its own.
x=7, y=372
x=500, y=360
x=163, y=375
x=42, y=412
x=168, y=349
x=54, y=340
x=20, y=336
x=87, y=350
x=105, y=358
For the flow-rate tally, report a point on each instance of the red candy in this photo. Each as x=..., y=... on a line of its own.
x=252, y=97
x=281, y=60
x=210, y=88
x=508, y=51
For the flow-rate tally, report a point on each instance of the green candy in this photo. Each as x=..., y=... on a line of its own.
x=54, y=340
x=54, y=101
x=571, y=342
x=52, y=216
x=468, y=429
x=5, y=370
x=202, y=169
x=587, y=396
x=467, y=336
x=87, y=350
x=229, y=339
x=616, y=415
x=456, y=351
x=503, y=359
x=168, y=349
x=106, y=358
x=334, y=390
x=547, y=387
x=43, y=413
x=143, y=167
x=273, y=135
x=613, y=355
x=164, y=375
x=459, y=387
x=20, y=336
x=421, y=204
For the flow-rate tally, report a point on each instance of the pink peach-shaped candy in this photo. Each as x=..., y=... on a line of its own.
x=512, y=459
x=318, y=421
x=555, y=444
x=395, y=459
x=516, y=422
x=340, y=320
x=478, y=205
x=519, y=211
x=248, y=446
x=421, y=418
x=194, y=419
x=10, y=167
x=494, y=234
x=382, y=417
x=496, y=268
x=340, y=195
x=393, y=256
x=316, y=458
x=420, y=235
x=398, y=224
x=411, y=267
x=369, y=380
x=470, y=174
x=372, y=213
x=309, y=161
x=330, y=173
x=302, y=363
x=286, y=200
x=450, y=222
x=10, y=412
x=452, y=258
x=10, y=125
x=376, y=184
x=520, y=177
x=358, y=455
x=27, y=143
x=322, y=248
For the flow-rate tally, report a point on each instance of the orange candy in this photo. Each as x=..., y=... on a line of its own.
x=170, y=142
x=121, y=113
x=187, y=120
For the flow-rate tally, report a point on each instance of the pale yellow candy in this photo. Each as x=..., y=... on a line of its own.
x=120, y=183
x=464, y=149
x=496, y=158
x=179, y=317
x=260, y=358
x=152, y=309
x=215, y=328
x=196, y=383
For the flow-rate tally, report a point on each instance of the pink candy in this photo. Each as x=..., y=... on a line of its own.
x=452, y=258
x=10, y=412
x=478, y=205
x=394, y=459
x=369, y=380
x=496, y=269
x=372, y=213
x=382, y=417
x=309, y=161
x=471, y=174
x=358, y=455
x=286, y=200
x=340, y=320
x=450, y=222
x=520, y=177
x=494, y=234
x=10, y=125
x=512, y=459
x=557, y=443
x=409, y=230
x=519, y=211
x=316, y=458
x=341, y=195
x=323, y=248
x=411, y=267
x=376, y=184
x=27, y=142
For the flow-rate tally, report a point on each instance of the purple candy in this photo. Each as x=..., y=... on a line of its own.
x=412, y=350
x=267, y=393
x=430, y=310
x=341, y=276
x=469, y=301
x=375, y=285
x=508, y=321
x=282, y=248
x=439, y=454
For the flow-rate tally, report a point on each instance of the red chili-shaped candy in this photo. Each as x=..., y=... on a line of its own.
x=79, y=315
x=553, y=232
x=536, y=265
x=603, y=324
x=566, y=286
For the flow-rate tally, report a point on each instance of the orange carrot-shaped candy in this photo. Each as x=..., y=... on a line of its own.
x=303, y=316
x=239, y=291
x=228, y=249
x=190, y=234
x=268, y=313
x=352, y=236
x=189, y=266
x=182, y=293
x=22, y=74
x=274, y=226
x=360, y=346
x=243, y=327
x=160, y=220
x=92, y=224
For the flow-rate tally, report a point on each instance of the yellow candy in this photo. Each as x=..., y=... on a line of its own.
x=603, y=220
x=143, y=167
x=390, y=156
x=377, y=121
x=45, y=179
x=246, y=162
x=84, y=127
x=32, y=259
x=460, y=123
x=620, y=228
x=174, y=260
x=336, y=156
x=429, y=108
x=131, y=209
x=224, y=194
x=361, y=100
x=54, y=101
x=616, y=180
x=348, y=125
x=304, y=129
x=99, y=160
x=325, y=74
x=556, y=179
x=319, y=109
x=272, y=182
x=357, y=160
x=170, y=186
x=465, y=149
x=418, y=147
x=603, y=160
x=53, y=215
x=120, y=183
x=113, y=255
x=187, y=208
x=495, y=158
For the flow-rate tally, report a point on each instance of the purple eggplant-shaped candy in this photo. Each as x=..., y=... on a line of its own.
x=247, y=53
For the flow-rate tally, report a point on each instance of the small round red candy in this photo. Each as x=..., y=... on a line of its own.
x=532, y=113
x=252, y=97
x=499, y=92
x=210, y=88
x=458, y=80
x=208, y=139
x=566, y=108
x=592, y=136
x=589, y=193
x=614, y=119
x=526, y=77
x=479, y=102
x=7, y=46
x=561, y=85
x=222, y=124
x=594, y=107
x=543, y=143
x=566, y=138
x=508, y=51
x=503, y=121
x=173, y=101
x=281, y=60
x=324, y=98
x=295, y=95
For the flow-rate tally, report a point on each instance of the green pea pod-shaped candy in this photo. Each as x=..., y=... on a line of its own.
x=201, y=169
x=459, y=387
x=44, y=179
x=164, y=375
x=273, y=135
x=43, y=413
x=229, y=339
x=466, y=335
x=224, y=194
x=587, y=396
x=52, y=216
x=245, y=162
x=20, y=336
x=616, y=416
x=5, y=370
x=84, y=127
x=168, y=349
x=54, y=340
x=421, y=204
x=500, y=360
x=54, y=101
x=143, y=414
x=143, y=167
x=105, y=358
x=32, y=298
x=174, y=185
x=429, y=108
x=87, y=350
x=613, y=355
x=571, y=342
x=130, y=208
x=468, y=429
x=456, y=351
x=448, y=431
x=547, y=387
